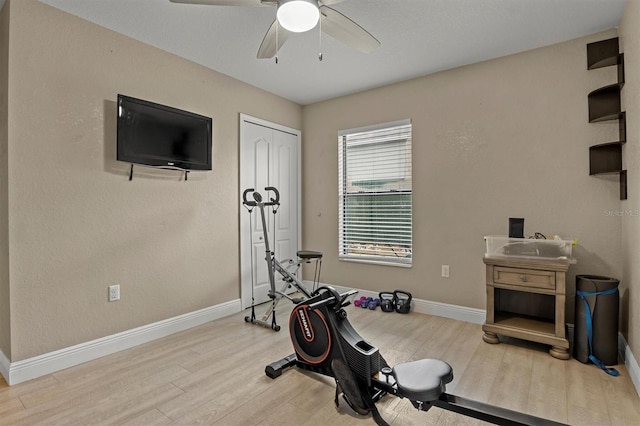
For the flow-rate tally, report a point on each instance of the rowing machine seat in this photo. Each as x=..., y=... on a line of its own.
x=423, y=380
x=309, y=254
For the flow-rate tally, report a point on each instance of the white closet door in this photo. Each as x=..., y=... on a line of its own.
x=269, y=156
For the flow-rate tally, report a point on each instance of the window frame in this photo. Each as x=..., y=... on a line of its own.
x=343, y=194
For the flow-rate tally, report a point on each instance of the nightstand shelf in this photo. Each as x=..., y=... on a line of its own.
x=524, y=322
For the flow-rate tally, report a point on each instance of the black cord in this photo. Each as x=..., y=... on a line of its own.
x=538, y=236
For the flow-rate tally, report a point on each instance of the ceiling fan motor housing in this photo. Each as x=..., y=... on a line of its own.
x=298, y=15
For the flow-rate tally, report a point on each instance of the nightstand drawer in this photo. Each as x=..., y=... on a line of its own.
x=524, y=277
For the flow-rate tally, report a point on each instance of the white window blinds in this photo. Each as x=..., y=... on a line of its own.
x=375, y=202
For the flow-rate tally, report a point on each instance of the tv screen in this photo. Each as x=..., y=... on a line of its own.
x=162, y=136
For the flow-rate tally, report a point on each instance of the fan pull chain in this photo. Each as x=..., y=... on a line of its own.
x=320, y=38
x=277, y=27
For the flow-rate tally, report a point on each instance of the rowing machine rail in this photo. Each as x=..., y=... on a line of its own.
x=422, y=382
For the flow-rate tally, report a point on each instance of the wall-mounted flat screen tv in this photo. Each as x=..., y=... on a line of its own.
x=162, y=136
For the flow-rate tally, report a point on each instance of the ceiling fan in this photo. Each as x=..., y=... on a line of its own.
x=299, y=16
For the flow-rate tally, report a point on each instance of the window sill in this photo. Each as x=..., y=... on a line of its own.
x=375, y=262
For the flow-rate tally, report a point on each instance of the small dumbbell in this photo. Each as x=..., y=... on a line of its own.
x=365, y=303
x=373, y=305
x=358, y=302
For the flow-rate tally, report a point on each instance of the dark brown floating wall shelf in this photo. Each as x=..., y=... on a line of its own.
x=605, y=158
x=602, y=53
x=604, y=105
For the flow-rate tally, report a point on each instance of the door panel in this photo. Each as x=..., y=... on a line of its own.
x=269, y=156
x=283, y=179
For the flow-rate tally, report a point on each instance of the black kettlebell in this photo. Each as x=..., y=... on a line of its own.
x=387, y=301
x=402, y=301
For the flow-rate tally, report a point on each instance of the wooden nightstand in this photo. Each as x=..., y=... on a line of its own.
x=525, y=300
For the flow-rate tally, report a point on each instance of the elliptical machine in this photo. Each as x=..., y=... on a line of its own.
x=325, y=343
x=288, y=269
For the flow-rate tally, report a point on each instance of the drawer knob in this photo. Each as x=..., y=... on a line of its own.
x=523, y=278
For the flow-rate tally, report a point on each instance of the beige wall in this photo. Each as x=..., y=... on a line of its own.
x=499, y=139
x=5, y=329
x=76, y=224
x=504, y=138
x=630, y=45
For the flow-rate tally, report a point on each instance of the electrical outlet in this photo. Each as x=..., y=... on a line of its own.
x=445, y=271
x=114, y=293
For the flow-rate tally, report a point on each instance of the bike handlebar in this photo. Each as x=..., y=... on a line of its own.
x=244, y=198
x=275, y=201
x=258, y=197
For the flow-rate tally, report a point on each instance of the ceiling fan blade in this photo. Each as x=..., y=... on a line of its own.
x=229, y=2
x=268, y=48
x=345, y=30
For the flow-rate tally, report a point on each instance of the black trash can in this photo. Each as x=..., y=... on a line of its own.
x=601, y=295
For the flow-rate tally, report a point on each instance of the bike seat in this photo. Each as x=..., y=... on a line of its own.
x=423, y=380
x=309, y=254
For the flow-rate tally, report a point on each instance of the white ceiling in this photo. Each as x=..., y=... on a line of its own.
x=418, y=37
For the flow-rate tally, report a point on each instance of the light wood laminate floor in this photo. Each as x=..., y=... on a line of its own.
x=214, y=374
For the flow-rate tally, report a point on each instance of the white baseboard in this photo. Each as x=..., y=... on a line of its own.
x=460, y=313
x=31, y=368
x=629, y=361
x=4, y=366
x=445, y=310
x=21, y=371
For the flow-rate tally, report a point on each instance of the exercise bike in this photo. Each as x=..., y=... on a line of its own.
x=325, y=343
x=288, y=268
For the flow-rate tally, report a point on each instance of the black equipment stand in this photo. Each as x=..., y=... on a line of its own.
x=288, y=269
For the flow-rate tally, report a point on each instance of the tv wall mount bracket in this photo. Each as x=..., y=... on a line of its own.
x=186, y=172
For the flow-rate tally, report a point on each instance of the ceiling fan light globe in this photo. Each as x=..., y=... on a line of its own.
x=298, y=16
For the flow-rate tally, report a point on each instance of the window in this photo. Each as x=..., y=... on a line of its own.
x=375, y=193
